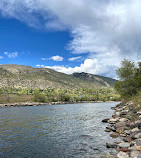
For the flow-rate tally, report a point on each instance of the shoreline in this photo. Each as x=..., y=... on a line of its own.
x=125, y=124
x=22, y=104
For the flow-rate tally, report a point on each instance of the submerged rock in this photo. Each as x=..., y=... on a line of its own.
x=111, y=145
x=105, y=120
x=106, y=155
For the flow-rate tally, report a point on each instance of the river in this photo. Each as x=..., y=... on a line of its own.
x=54, y=131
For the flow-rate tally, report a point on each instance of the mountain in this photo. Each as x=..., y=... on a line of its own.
x=20, y=76
x=105, y=81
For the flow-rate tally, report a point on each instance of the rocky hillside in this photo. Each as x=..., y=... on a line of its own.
x=19, y=76
x=105, y=81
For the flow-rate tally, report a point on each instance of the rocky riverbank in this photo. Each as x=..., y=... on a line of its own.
x=20, y=104
x=125, y=124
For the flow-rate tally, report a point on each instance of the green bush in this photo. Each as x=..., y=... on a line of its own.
x=39, y=97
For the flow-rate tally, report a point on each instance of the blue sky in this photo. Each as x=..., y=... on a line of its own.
x=34, y=46
x=70, y=36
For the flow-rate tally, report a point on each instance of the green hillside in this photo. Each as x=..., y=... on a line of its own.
x=19, y=76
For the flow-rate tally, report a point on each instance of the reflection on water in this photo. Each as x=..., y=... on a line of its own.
x=56, y=131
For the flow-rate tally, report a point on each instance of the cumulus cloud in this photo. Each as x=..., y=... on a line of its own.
x=11, y=55
x=40, y=65
x=89, y=66
x=107, y=30
x=54, y=58
x=57, y=58
x=74, y=58
x=44, y=58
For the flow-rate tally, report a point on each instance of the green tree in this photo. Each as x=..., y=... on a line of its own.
x=130, y=79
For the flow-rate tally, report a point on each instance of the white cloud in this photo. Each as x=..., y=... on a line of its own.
x=1, y=57
x=107, y=30
x=11, y=55
x=57, y=58
x=74, y=58
x=40, y=65
x=92, y=66
x=44, y=58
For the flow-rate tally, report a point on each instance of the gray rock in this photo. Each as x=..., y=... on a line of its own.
x=127, y=132
x=139, y=112
x=138, y=142
x=135, y=129
x=111, y=145
x=111, y=128
x=106, y=155
x=133, y=148
x=139, y=125
x=122, y=119
x=114, y=135
x=107, y=130
x=139, y=156
x=123, y=112
x=105, y=120
x=113, y=121
x=124, y=145
x=134, y=154
x=122, y=155
x=137, y=136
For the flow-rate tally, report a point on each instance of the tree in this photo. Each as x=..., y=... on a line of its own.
x=127, y=85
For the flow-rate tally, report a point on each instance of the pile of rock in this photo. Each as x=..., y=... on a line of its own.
x=125, y=124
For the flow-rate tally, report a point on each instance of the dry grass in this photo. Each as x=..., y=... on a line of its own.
x=137, y=100
x=12, y=98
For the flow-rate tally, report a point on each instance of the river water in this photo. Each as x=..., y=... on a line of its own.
x=54, y=131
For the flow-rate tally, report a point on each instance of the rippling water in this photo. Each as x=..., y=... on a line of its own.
x=56, y=131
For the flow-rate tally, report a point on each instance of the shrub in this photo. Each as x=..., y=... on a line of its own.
x=39, y=97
